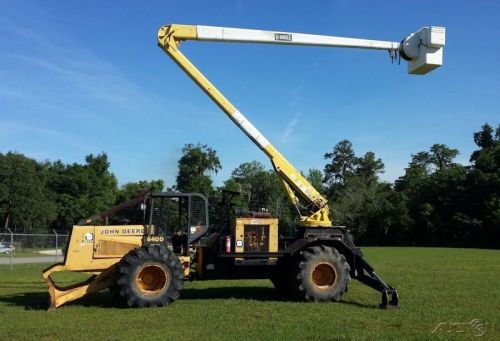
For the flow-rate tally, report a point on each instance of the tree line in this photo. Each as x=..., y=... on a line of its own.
x=437, y=202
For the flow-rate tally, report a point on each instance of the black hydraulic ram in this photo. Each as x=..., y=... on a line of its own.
x=365, y=273
x=390, y=299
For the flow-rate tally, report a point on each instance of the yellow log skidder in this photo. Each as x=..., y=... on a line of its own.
x=144, y=249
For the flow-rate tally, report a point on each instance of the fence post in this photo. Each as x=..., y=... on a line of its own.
x=11, y=245
x=56, y=244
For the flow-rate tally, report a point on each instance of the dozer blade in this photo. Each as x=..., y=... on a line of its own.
x=61, y=295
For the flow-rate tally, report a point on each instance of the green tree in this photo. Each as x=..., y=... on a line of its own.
x=24, y=201
x=342, y=164
x=195, y=166
x=483, y=188
x=315, y=178
x=368, y=168
x=357, y=199
x=130, y=190
x=441, y=156
x=251, y=180
x=81, y=190
x=257, y=185
x=484, y=140
x=433, y=191
x=420, y=162
x=261, y=189
x=103, y=184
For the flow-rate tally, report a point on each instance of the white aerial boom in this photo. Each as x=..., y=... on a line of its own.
x=423, y=50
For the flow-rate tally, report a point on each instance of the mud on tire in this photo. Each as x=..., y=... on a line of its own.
x=149, y=276
x=322, y=274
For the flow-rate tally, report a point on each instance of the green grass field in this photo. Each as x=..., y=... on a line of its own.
x=435, y=285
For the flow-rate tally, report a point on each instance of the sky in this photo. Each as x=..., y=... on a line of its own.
x=82, y=77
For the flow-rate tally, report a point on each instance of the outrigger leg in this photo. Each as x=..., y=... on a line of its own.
x=366, y=274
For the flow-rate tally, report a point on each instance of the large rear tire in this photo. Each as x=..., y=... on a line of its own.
x=322, y=274
x=149, y=276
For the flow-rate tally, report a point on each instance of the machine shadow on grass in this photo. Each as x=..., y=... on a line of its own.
x=241, y=293
x=40, y=301
x=253, y=293
x=104, y=299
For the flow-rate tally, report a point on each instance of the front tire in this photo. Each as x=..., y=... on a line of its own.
x=149, y=276
x=322, y=274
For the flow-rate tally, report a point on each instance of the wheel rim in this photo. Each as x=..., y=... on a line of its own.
x=324, y=275
x=151, y=279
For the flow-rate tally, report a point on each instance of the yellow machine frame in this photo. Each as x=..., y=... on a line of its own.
x=96, y=250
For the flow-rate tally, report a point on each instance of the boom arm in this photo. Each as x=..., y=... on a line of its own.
x=415, y=48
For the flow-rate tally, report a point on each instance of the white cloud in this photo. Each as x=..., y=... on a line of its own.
x=290, y=128
x=86, y=77
x=22, y=130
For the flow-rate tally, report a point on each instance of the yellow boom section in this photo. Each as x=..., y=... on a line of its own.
x=298, y=189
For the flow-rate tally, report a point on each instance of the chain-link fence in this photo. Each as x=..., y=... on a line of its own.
x=26, y=248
